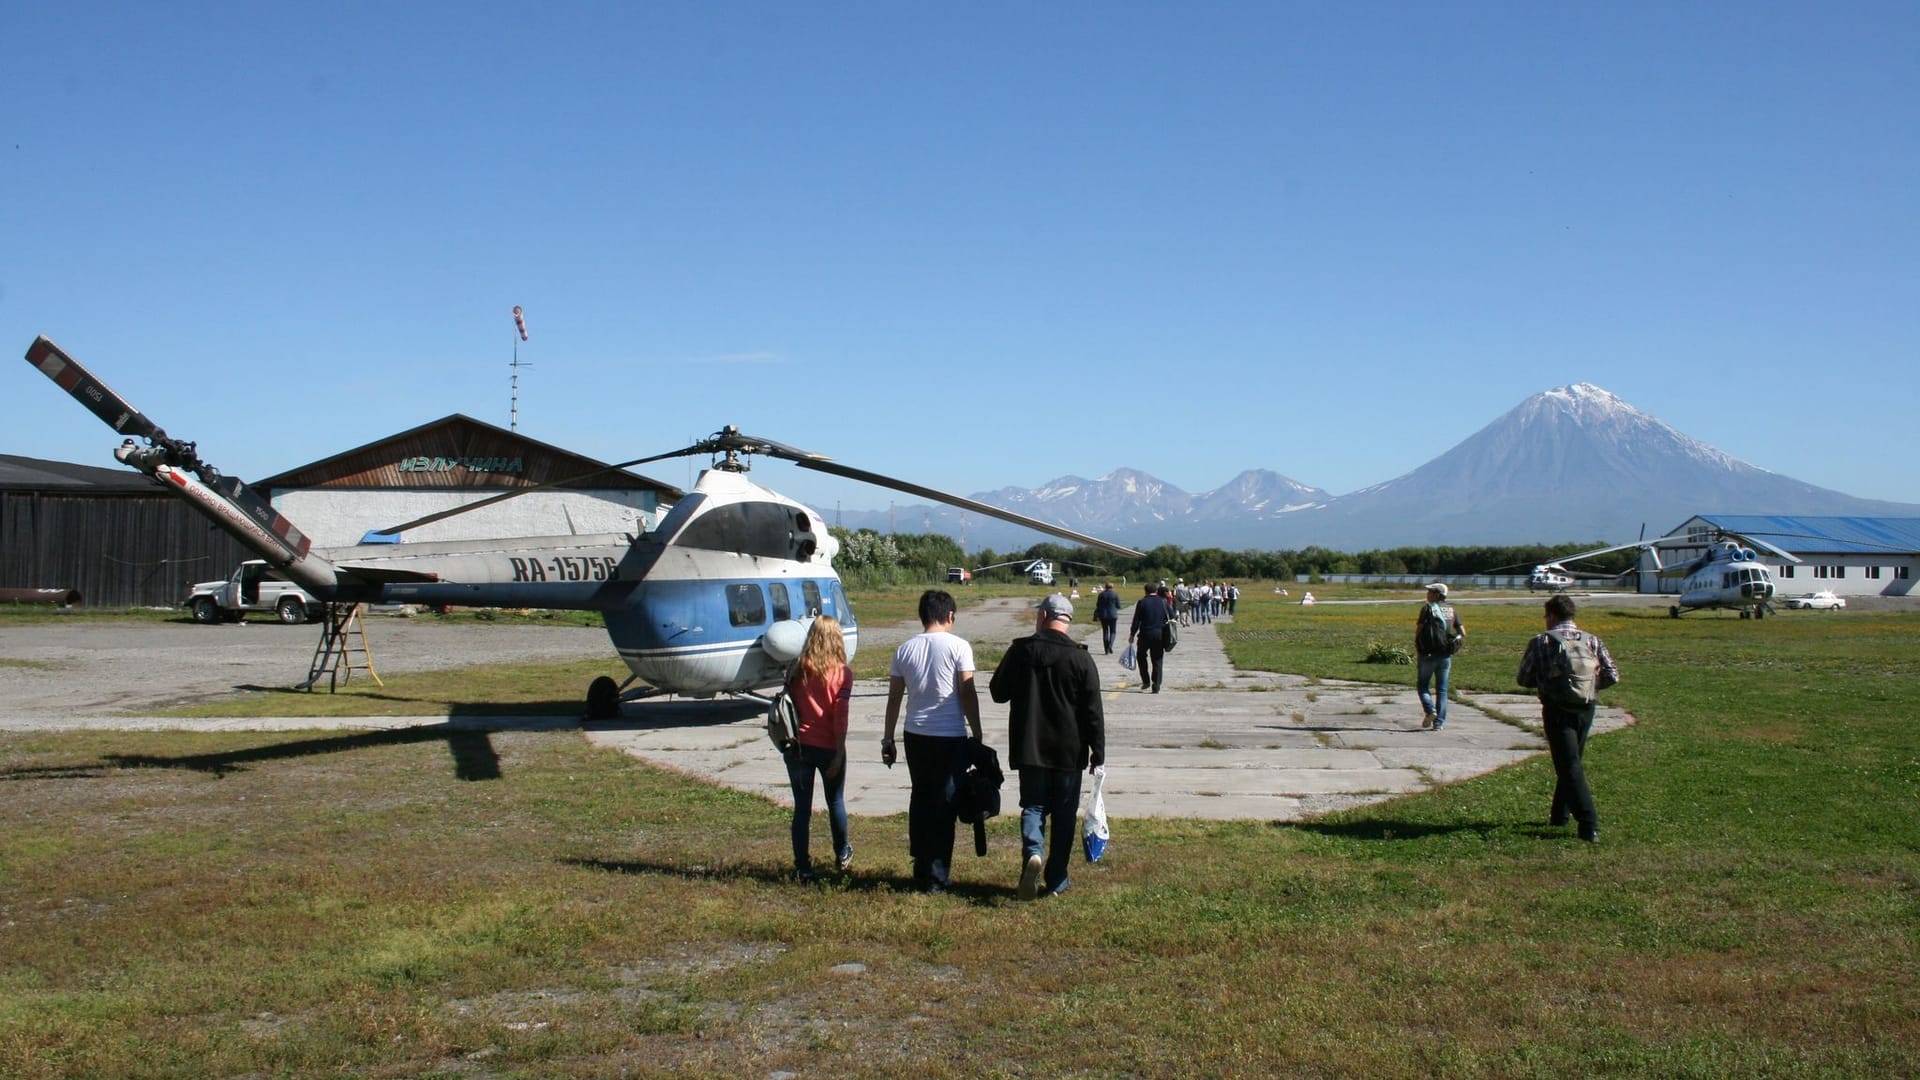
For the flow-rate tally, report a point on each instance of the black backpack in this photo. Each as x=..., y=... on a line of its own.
x=1436, y=637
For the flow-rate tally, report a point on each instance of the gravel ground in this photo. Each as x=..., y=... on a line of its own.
x=93, y=668
x=101, y=669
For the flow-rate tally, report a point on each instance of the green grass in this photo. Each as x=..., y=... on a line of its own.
x=432, y=902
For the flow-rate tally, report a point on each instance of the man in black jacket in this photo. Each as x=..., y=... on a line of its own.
x=1149, y=628
x=1056, y=728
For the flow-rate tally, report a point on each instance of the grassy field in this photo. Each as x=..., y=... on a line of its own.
x=431, y=902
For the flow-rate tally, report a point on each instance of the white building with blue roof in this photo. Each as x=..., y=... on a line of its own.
x=1853, y=556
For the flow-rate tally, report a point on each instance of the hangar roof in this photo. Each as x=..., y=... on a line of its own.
x=34, y=474
x=1827, y=535
x=463, y=452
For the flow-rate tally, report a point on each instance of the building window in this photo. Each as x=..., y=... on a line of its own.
x=1829, y=571
x=1873, y=573
x=1786, y=571
x=1900, y=573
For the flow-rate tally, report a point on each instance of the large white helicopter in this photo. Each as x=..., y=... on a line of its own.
x=716, y=600
x=1726, y=574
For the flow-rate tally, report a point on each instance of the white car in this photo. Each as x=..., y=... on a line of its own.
x=1822, y=600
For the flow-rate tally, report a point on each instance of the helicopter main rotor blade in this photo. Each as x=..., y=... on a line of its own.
x=821, y=464
x=464, y=508
x=88, y=390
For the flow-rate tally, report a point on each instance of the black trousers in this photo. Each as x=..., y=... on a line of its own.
x=1150, y=656
x=935, y=763
x=1567, y=731
x=1109, y=628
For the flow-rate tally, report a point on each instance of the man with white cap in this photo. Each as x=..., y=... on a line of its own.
x=1056, y=727
x=1436, y=637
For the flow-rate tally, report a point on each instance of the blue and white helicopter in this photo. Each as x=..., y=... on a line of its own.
x=1726, y=574
x=715, y=601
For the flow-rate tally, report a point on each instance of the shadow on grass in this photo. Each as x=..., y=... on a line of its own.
x=853, y=881
x=570, y=707
x=1376, y=829
x=472, y=751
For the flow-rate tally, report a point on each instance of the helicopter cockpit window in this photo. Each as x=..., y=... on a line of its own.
x=746, y=605
x=766, y=529
x=782, y=607
x=811, y=591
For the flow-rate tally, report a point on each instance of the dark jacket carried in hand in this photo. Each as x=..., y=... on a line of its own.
x=1052, y=688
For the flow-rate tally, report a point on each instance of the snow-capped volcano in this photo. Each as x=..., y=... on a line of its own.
x=1572, y=463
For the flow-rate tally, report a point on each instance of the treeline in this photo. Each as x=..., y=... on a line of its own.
x=871, y=558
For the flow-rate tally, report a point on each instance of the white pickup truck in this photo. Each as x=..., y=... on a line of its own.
x=254, y=586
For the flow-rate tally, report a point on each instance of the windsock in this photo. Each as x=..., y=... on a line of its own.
x=520, y=322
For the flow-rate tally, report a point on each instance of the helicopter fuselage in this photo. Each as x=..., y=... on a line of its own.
x=684, y=619
x=1727, y=576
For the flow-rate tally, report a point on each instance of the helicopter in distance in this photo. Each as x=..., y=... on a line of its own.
x=1555, y=577
x=1038, y=571
x=1726, y=574
x=716, y=600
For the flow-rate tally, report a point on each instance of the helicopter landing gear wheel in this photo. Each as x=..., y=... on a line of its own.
x=1745, y=614
x=603, y=699
x=1674, y=611
x=1759, y=613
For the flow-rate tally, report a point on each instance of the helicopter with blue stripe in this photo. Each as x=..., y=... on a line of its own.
x=715, y=601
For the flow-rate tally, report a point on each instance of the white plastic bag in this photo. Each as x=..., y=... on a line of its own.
x=1126, y=657
x=1093, y=832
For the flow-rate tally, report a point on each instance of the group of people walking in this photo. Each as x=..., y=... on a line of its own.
x=1056, y=730
x=1057, y=727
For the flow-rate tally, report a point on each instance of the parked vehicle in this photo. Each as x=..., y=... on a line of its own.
x=253, y=586
x=1824, y=600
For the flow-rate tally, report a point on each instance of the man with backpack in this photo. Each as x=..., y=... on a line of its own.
x=1568, y=667
x=1437, y=634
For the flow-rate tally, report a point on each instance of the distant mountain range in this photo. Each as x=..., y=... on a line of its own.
x=1572, y=463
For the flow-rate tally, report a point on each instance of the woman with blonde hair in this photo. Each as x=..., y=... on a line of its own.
x=821, y=688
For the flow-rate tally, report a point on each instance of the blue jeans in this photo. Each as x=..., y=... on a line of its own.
x=801, y=765
x=1434, y=669
x=1049, y=793
x=935, y=764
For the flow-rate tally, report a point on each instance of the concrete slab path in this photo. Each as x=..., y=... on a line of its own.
x=1217, y=742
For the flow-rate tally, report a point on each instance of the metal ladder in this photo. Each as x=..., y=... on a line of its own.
x=342, y=649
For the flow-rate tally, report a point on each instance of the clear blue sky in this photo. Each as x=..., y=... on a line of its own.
x=975, y=245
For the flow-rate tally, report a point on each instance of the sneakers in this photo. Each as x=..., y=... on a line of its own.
x=1426, y=722
x=1030, y=878
x=845, y=862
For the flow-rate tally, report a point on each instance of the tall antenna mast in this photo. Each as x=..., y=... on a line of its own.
x=520, y=335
